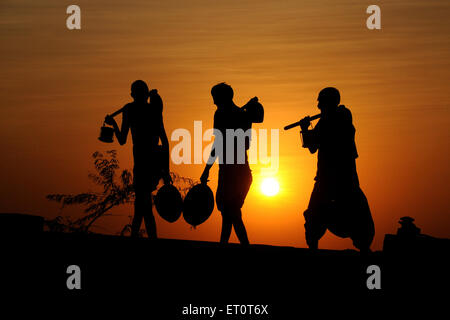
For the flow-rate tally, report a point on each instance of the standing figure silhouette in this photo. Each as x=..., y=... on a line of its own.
x=337, y=202
x=151, y=161
x=235, y=176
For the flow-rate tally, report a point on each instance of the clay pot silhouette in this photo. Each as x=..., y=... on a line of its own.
x=198, y=204
x=106, y=134
x=168, y=203
x=254, y=110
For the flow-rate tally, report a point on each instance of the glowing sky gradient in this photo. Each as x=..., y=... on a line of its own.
x=56, y=86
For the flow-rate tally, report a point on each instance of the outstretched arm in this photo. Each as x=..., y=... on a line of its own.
x=209, y=164
x=214, y=154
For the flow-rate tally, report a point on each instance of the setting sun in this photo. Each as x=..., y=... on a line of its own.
x=270, y=187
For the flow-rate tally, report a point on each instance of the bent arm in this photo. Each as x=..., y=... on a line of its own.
x=213, y=155
x=123, y=132
x=165, y=147
x=163, y=136
x=309, y=139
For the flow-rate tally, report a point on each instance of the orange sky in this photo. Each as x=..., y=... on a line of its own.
x=56, y=86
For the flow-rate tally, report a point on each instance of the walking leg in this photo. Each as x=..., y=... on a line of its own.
x=239, y=227
x=226, y=228
x=149, y=219
x=314, y=229
x=138, y=216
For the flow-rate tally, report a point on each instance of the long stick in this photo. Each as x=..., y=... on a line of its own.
x=123, y=108
x=296, y=124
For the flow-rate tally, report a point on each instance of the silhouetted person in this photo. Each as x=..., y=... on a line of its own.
x=151, y=162
x=337, y=203
x=234, y=178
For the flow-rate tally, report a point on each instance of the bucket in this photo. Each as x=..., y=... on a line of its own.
x=254, y=110
x=106, y=134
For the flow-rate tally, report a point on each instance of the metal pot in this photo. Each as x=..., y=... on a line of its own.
x=106, y=134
